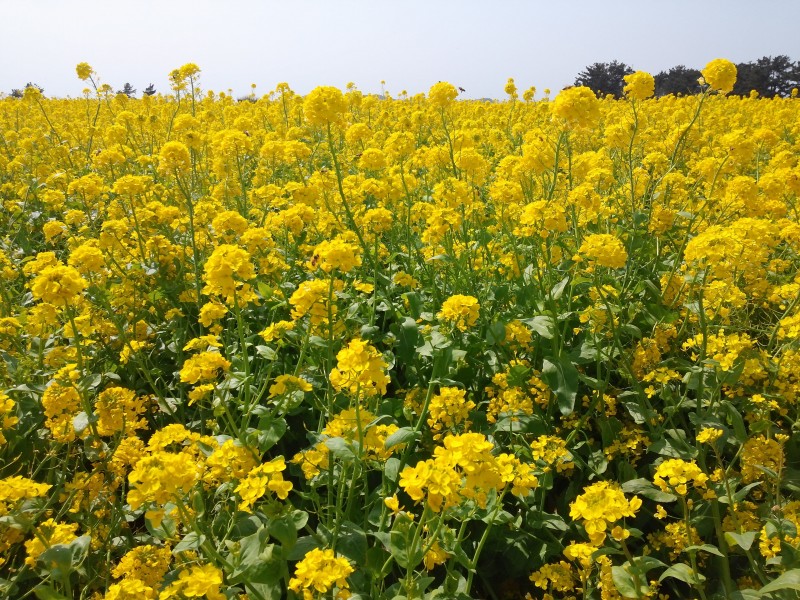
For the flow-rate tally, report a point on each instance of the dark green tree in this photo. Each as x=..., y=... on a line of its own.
x=769, y=76
x=128, y=90
x=604, y=78
x=149, y=90
x=17, y=93
x=677, y=80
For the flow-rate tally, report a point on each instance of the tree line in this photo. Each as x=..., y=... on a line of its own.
x=769, y=76
x=126, y=89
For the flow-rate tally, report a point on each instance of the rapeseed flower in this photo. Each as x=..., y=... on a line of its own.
x=319, y=572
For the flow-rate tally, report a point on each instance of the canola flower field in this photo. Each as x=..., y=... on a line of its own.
x=371, y=347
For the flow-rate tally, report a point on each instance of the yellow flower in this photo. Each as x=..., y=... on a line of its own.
x=604, y=250
x=392, y=503
x=203, y=367
x=318, y=573
x=360, y=369
x=58, y=285
x=288, y=383
x=336, y=254
x=577, y=106
x=324, y=105
x=460, y=311
x=601, y=504
x=709, y=435
x=161, y=477
x=720, y=74
x=265, y=477
x=49, y=534
x=639, y=85
x=198, y=581
x=174, y=157
x=226, y=272
x=84, y=71
x=435, y=556
x=511, y=88
x=447, y=409
x=146, y=563
x=442, y=94
x=759, y=453
x=674, y=474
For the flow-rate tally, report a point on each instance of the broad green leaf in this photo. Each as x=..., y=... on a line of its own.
x=743, y=540
x=495, y=333
x=303, y=546
x=340, y=448
x=684, y=573
x=625, y=582
x=705, y=548
x=788, y=581
x=562, y=377
x=645, y=488
x=283, y=529
x=45, y=592
x=401, y=436
x=352, y=542
x=191, y=541
x=558, y=289
x=544, y=325
x=270, y=430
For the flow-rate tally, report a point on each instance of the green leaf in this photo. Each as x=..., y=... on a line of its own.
x=62, y=559
x=495, y=333
x=638, y=413
x=745, y=595
x=392, y=468
x=191, y=541
x=705, y=548
x=401, y=436
x=562, y=377
x=270, y=431
x=647, y=563
x=399, y=540
x=45, y=592
x=250, y=550
x=260, y=566
x=303, y=546
x=283, y=529
x=598, y=462
x=684, y=573
x=743, y=540
x=544, y=325
x=644, y=487
x=788, y=581
x=558, y=289
x=407, y=337
x=626, y=584
x=340, y=448
x=266, y=352
x=736, y=421
x=739, y=495
x=352, y=542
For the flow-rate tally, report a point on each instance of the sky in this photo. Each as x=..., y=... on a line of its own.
x=409, y=44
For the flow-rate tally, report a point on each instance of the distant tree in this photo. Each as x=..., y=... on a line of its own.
x=750, y=76
x=128, y=90
x=604, y=78
x=769, y=76
x=149, y=90
x=17, y=93
x=677, y=80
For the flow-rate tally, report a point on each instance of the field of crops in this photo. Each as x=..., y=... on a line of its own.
x=344, y=345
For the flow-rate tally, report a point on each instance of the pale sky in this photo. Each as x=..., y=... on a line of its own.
x=411, y=44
